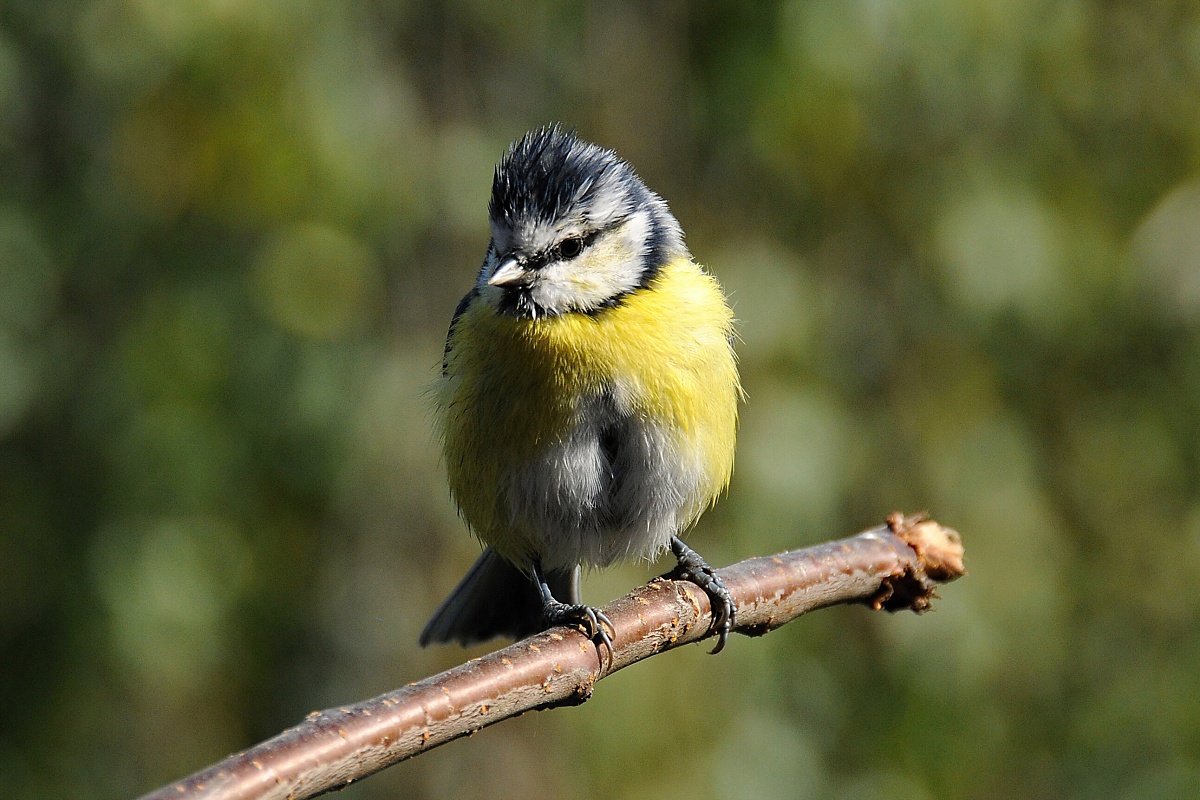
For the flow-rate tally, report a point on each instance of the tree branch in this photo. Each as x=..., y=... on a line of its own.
x=892, y=567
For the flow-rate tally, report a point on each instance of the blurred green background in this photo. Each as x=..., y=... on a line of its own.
x=963, y=239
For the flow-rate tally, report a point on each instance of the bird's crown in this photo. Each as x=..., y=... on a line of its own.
x=573, y=227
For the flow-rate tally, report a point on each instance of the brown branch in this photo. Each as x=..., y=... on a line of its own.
x=892, y=567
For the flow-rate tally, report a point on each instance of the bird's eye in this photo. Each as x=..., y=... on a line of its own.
x=570, y=248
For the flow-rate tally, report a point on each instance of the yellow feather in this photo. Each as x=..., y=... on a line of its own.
x=516, y=386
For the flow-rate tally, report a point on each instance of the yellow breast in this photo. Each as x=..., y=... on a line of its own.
x=517, y=389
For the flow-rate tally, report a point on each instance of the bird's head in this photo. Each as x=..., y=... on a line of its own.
x=574, y=229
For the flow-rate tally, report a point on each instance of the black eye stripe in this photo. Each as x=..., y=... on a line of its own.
x=539, y=260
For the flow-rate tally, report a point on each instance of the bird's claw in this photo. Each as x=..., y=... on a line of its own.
x=698, y=571
x=594, y=623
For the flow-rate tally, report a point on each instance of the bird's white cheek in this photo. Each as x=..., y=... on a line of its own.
x=633, y=235
x=610, y=267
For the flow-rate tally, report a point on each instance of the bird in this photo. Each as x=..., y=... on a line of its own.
x=588, y=399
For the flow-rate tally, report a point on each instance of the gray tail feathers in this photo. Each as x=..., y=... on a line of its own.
x=497, y=599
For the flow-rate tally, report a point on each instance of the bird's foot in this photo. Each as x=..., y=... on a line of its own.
x=594, y=623
x=697, y=570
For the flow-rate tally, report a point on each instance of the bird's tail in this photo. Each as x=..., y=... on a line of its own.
x=496, y=599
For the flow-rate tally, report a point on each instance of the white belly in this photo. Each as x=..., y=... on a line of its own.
x=616, y=486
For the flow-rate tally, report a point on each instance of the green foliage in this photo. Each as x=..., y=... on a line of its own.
x=963, y=241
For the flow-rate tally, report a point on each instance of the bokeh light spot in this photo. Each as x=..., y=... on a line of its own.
x=1166, y=249
x=168, y=586
x=317, y=281
x=1001, y=249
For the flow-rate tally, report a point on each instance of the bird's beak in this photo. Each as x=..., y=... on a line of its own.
x=510, y=271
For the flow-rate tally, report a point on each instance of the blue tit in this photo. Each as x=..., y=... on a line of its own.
x=589, y=394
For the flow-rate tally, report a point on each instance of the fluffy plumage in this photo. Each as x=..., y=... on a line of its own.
x=588, y=404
